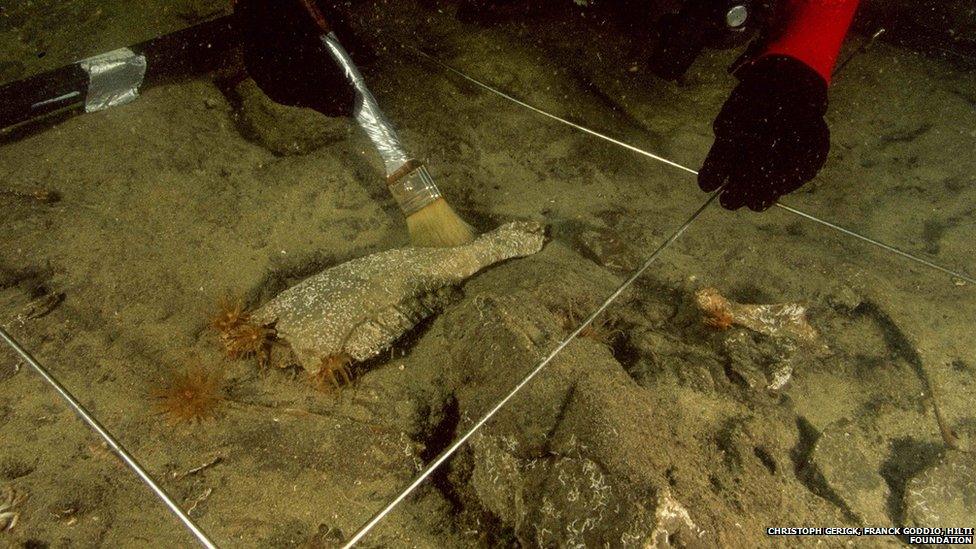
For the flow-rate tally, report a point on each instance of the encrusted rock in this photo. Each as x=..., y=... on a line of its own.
x=609, y=250
x=848, y=460
x=774, y=320
x=943, y=495
x=281, y=129
x=673, y=526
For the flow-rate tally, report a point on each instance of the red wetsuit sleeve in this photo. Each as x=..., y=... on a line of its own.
x=815, y=32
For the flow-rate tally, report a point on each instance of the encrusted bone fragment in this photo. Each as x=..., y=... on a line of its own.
x=359, y=308
x=778, y=319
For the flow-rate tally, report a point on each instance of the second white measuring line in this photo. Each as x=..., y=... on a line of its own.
x=921, y=261
x=110, y=440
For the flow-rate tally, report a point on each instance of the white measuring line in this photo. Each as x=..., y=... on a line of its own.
x=628, y=146
x=449, y=451
x=109, y=439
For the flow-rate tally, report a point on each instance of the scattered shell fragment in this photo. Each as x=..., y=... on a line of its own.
x=359, y=308
x=10, y=498
x=8, y=519
x=781, y=376
x=778, y=319
x=674, y=527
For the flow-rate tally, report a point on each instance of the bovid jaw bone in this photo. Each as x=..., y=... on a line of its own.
x=360, y=308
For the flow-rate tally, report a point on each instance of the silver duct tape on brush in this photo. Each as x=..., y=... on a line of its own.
x=409, y=182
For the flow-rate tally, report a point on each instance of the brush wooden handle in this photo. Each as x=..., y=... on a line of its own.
x=317, y=16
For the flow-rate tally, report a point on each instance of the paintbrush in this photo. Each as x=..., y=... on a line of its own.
x=289, y=57
x=430, y=219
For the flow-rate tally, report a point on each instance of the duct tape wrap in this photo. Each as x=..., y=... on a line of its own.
x=113, y=78
x=367, y=111
x=414, y=190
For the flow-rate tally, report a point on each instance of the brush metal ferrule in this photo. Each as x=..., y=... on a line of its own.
x=412, y=187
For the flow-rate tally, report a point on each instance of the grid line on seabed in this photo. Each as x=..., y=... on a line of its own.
x=112, y=442
x=795, y=211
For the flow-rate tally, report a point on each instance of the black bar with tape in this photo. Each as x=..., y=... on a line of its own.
x=196, y=49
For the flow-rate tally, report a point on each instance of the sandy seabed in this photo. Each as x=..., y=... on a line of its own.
x=200, y=189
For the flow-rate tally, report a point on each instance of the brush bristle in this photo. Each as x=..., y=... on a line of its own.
x=437, y=226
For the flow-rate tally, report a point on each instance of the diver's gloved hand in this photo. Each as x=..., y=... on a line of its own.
x=770, y=137
x=284, y=55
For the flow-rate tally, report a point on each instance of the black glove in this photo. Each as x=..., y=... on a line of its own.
x=284, y=55
x=770, y=137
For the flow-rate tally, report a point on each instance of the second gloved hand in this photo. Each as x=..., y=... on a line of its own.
x=770, y=136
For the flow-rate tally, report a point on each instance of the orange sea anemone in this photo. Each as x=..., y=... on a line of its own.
x=604, y=329
x=334, y=372
x=249, y=340
x=232, y=314
x=240, y=335
x=190, y=394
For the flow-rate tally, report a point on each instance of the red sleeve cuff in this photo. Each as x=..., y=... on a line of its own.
x=815, y=32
